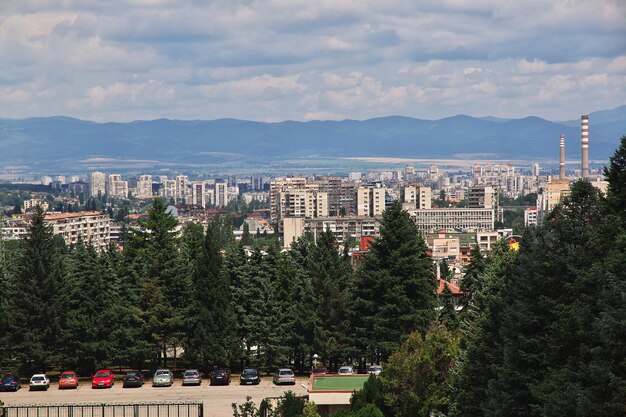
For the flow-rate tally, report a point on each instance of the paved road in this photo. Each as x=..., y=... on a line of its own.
x=217, y=399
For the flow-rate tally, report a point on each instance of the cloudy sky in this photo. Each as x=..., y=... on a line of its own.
x=121, y=60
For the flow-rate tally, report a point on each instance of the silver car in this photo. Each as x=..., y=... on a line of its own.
x=192, y=377
x=284, y=376
x=163, y=378
x=346, y=370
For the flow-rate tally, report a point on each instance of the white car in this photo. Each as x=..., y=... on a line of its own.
x=39, y=381
x=346, y=370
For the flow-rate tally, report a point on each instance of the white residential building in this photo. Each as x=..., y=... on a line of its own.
x=370, y=201
x=144, y=186
x=97, y=183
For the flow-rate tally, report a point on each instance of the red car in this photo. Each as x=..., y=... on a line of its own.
x=68, y=379
x=104, y=378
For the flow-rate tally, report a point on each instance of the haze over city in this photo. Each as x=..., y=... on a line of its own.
x=125, y=60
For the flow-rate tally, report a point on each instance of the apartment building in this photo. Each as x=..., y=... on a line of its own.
x=32, y=203
x=182, y=188
x=417, y=197
x=550, y=196
x=303, y=203
x=90, y=226
x=341, y=195
x=475, y=219
x=278, y=186
x=342, y=227
x=198, y=193
x=370, y=201
x=116, y=186
x=97, y=183
x=530, y=216
x=144, y=186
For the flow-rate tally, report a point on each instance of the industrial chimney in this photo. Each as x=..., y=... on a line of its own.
x=584, y=121
x=562, y=158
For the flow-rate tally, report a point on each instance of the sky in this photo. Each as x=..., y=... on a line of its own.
x=274, y=60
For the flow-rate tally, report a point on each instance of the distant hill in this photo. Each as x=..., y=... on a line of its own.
x=42, y=142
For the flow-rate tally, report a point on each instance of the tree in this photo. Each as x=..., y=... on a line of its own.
x=395, y=288
x=163, y=291
x=213, y=332
x=92, y=306
x=246, y=238
x=331, y=281
x=371, y=394
x=447, y=314
x=416, y=378
x=470, y=282
x=615, y=174
x=35, y=319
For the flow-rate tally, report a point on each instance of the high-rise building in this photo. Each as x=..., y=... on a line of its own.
x=198, y=194
x=221, y=193
x=182, y=188
x=482, y=196
x=417, y=196
x=370, y=201
x=116, y=186
x=301, y=202
x=97, y=183
x=144, y=186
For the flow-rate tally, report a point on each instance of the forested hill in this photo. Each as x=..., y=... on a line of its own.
x=45, y=141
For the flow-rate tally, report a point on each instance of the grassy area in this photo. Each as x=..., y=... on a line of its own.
x=339, y=383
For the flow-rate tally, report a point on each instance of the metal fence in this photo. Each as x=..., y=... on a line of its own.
x=139, y=409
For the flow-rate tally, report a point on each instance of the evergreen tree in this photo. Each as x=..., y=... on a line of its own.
x=470, y=282
x=35, y=319
x=615, y=174
x=331, y=281
x=447, y=314
x=395, y=288
x=481, y=339
x=246, y=237
x=212, y=338
x=92, y=307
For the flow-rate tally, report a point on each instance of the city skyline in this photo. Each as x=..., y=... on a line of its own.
x=295, y=60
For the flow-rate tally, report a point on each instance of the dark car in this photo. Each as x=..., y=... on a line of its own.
x=250, y=376
x=319, y=371
x=10, y=383
x=220, y=377
x=133, y=379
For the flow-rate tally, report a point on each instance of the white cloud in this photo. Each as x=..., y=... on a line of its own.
x=295, y=59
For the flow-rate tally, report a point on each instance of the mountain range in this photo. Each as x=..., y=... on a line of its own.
x=59, y=141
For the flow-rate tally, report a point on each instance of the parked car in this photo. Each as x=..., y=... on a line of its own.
x=319, y=371
x=163, y=378
x=68, y=379
x=192, y=377
x=220, y=376
x=133, y=379
x=250, y=376
x=375, y=369
x=104, y=378
x=10, y=383
x=39, y=381
x=346, y=370
x=284, y=376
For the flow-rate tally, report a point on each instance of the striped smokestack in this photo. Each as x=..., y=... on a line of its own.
x=562, y=158
x=584, y=122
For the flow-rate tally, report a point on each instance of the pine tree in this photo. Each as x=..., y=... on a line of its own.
x=470, y=282
x=213, y=338
x=395, y=287
x=35, y=319
x=447, y=314
x=615, y=174
x=331, y=281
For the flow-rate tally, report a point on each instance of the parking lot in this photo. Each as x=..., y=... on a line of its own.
x=217, y=399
